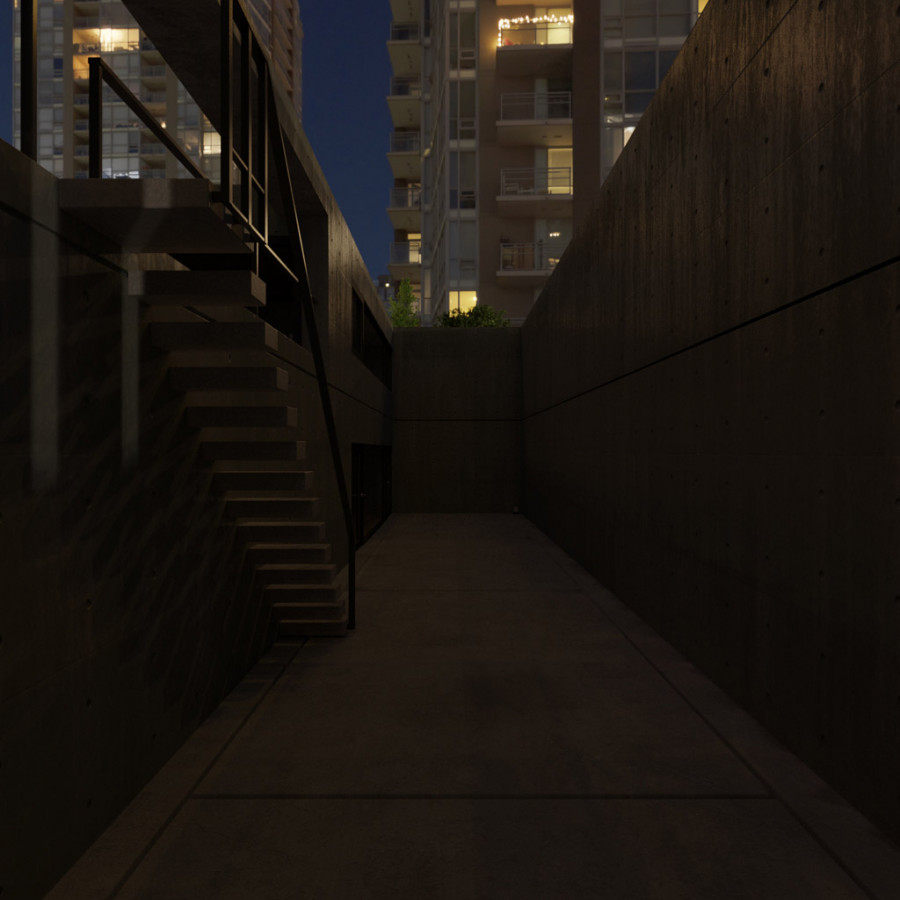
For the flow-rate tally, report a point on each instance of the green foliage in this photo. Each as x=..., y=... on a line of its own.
x=477, y=317
x=403, y=309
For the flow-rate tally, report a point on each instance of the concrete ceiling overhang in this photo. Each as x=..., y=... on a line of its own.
x=187, y=34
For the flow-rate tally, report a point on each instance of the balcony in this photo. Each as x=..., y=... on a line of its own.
x=528, y=264
x=406, y=261
x=404, y=208
x=405, y=10
x=405, y=101
x=405, y=48
x=535, y=46
x=536, y=193
x=535, y=119
x=405, y=155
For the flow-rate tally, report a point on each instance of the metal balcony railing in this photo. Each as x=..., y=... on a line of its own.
x=406, y=198
x=537, y=256
x=513, y=34
x=405, y=31
x=406, y=253
x=405, y=142
x=404, y=86
x=525, y=182
x=538, y=106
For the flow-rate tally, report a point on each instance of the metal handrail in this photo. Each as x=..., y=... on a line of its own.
x=405, y=86
x=406, y=198
x=406, y=253
x=405, y=31
x=405, y=142
x=534, y=180
x=273, y=140
x=304, y=295
x=536, y=105
x=535, y=34
x=532, y=256
x=100, y=72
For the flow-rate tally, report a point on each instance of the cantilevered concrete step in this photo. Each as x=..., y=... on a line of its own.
x=198, y=288
x=258, y=450
x=229, y=378
x=298, y=554
x=213, y=335
x=288, y=628
x=153, y=215
x=273, y=508
x=263, y=481
x=309, y=574
x=241, y=416
x=303, y=595
x=267, y=531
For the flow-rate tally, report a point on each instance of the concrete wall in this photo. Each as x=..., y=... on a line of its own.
x=126, y=612
x=711, y=378
x=457, y=420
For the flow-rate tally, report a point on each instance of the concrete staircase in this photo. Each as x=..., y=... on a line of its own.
x=236, y=392
x=236, y=397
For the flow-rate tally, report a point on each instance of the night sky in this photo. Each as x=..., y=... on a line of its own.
x=346, y=73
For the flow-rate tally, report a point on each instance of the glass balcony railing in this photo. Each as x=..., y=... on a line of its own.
x=541, y=106
x=405, y=142
x=535, y=182
x=405, y=31
x=404, y=86
x=537, y=256
x=535, y=33
x=406, y=198
x=406, y=253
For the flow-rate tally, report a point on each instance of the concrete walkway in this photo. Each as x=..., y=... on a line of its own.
x=499, y=726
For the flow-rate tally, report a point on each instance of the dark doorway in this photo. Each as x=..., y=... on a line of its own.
x=371, y=489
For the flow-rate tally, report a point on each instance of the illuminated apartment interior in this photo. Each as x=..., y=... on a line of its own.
x=494, y=108
x=70, y=31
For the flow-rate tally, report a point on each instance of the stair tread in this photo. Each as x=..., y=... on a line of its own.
x=213, y=335
x=156, y=215
x=263, y=545
x=276, y=522
x=320, y=588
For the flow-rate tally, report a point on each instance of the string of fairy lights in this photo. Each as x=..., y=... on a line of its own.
x=549, y=19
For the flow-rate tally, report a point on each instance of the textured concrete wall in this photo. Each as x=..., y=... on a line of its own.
x=457, y=419
x=126, y=613
x=712, y=382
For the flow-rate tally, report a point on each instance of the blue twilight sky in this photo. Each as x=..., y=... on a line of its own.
x=346, y=73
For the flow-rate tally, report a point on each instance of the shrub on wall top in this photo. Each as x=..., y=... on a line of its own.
x=481, y=316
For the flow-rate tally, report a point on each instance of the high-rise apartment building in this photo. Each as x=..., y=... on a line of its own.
x=71, y=31
x=500, y=110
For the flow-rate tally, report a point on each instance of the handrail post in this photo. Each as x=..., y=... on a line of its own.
x=95, y=117
x=304, y=294
x=28, y=78
x=225, y=129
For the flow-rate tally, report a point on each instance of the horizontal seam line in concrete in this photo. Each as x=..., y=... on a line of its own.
x=456, y=419
x=96, y=257
x=470, y=590
x=181, y=803
x=425, y=796
x=714, y=337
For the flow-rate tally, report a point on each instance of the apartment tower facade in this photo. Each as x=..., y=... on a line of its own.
x=500, y=109
x=71, y=31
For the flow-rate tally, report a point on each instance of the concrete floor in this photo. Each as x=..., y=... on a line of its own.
x=498, y=726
